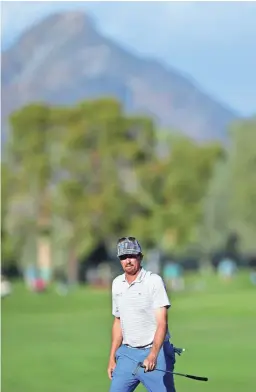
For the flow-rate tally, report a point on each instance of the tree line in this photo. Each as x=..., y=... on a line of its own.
x=79, y=176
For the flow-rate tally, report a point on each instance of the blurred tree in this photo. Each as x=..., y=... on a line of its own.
x=88, y=174
x=185, y=176
x=99, y=157
x=7, y=242
x=242, y=167
x=230, y=204
x=215, y=224
x=28, y=207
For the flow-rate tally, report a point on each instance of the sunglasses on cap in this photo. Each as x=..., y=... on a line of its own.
x=133, y=239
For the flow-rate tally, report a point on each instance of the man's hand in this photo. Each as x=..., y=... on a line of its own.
x=111, y=367
x=150, y=363
x=116, y=343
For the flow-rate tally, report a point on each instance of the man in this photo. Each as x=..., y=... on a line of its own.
x=140, y=328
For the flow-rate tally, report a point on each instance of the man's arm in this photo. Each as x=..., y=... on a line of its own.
x=161, y=330
x=115, y=344
x=117, y=337
x=162, y=325
x=160, y=304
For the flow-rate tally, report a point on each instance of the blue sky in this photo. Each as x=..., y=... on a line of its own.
x=214, y=43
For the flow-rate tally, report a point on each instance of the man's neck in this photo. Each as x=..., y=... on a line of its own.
x=131, y=278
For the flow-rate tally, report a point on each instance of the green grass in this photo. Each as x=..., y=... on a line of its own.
x=61, y=344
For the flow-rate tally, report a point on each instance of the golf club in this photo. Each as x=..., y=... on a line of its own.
x=140, y=365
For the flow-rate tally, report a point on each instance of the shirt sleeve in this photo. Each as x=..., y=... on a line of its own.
x=115, y=308
x=160, y=297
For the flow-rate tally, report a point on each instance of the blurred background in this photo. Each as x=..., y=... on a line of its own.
x=127, y=118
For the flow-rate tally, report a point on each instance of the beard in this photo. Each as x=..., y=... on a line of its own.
x=131, y=269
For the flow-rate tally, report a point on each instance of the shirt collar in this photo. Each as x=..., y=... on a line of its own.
x=139, y=277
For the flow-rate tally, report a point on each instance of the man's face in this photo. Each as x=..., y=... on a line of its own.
x=130, y=263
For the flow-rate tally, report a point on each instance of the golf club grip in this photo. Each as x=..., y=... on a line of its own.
x=197, y=377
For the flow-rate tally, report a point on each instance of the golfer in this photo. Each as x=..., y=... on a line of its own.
x=140, y=328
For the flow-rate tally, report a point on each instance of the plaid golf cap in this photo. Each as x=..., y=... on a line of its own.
x=128, y=246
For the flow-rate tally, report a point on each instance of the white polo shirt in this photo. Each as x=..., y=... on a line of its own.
x=135, y=305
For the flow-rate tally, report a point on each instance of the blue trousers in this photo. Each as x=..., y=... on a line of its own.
x=154, y=381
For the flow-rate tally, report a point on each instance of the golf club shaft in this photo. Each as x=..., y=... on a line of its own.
x=190, y=376
x=183, y=375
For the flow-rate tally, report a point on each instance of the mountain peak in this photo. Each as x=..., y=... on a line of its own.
x=64, y=59
x=70, y=19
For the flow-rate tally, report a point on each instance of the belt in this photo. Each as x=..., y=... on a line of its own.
x=140, y=347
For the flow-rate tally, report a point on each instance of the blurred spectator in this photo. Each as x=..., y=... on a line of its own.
x=45, y=274
x=30, y=276
x=153, y=261
x=39, y=285
x=33, y=279
x=173, y=276
x=253, y=276
x=91, y=276
x=252, y=265
x=227, y=268
x=100, y=276
x=62, y=286
x=105, y=275
x=6, y=288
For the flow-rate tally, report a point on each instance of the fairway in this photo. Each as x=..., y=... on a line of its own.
x=61, y=344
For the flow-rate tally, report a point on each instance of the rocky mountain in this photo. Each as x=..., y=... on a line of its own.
x=64, y=59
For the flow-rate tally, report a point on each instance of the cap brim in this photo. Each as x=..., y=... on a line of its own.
x=129, y=252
